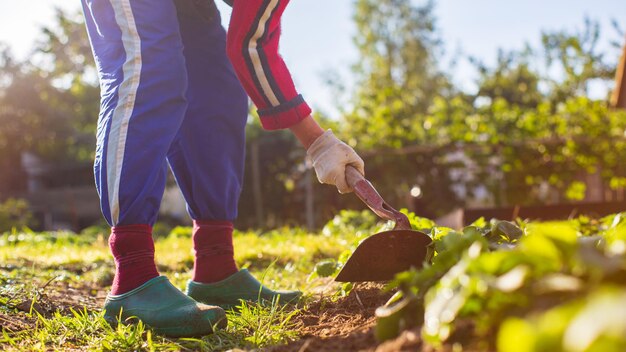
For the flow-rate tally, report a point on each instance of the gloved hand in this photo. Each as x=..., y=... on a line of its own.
x=330, y=156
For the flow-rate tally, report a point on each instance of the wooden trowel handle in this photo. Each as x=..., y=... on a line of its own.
x=368, y=194
x=353, y=177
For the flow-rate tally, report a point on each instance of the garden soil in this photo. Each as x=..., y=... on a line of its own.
x=343, y=325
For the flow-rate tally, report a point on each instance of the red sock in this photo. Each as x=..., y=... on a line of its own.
x=133, y=249
x=213, y=248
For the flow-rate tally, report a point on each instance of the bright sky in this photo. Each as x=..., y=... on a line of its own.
x=317, y=33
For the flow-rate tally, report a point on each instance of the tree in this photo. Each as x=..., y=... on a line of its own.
x=512, y=79
x=65, y=58
x=48, y=103
x=527, y=135
x=397, y=76
x=577, y=56
x=398, y=80
x=542, y=125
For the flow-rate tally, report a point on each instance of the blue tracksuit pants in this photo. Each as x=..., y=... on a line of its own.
x=169, y=95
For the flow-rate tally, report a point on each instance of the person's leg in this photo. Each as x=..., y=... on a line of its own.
x=253, y=38
x=133, y=250
x=214, y=255
x=138, y=52
x=143, y=82
x=207, y=156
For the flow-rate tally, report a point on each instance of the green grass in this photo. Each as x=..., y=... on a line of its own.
x=38, y=270
x=252, y=327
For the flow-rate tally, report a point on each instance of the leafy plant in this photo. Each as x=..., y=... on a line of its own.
x=325, y=268
x=530, y=286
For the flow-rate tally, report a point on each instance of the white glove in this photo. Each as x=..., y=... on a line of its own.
x=330, y=156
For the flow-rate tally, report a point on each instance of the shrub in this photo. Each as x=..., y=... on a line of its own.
x=15, y=214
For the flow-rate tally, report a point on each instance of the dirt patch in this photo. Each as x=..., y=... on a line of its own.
x=15, y=322
x=52, y=297
x=409, y=340
x=61, y=297
x=462, y=338
x=348, y=325
x=344, y=325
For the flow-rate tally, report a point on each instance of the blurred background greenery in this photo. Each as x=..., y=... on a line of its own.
x=529, y=135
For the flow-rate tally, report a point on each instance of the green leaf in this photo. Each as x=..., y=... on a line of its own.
x=326, y=268
x=517, y=335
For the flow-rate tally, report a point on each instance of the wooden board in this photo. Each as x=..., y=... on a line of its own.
x=618, y=98
x=545, y=212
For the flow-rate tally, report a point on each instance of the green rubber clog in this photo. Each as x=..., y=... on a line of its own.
x=164, y=308
x=229, y=292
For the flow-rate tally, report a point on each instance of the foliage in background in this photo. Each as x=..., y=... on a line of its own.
x=49, y=103
x=397, y=74
x=528, y=134
x=15, y=215
x=274, y=171
x=398, y=77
